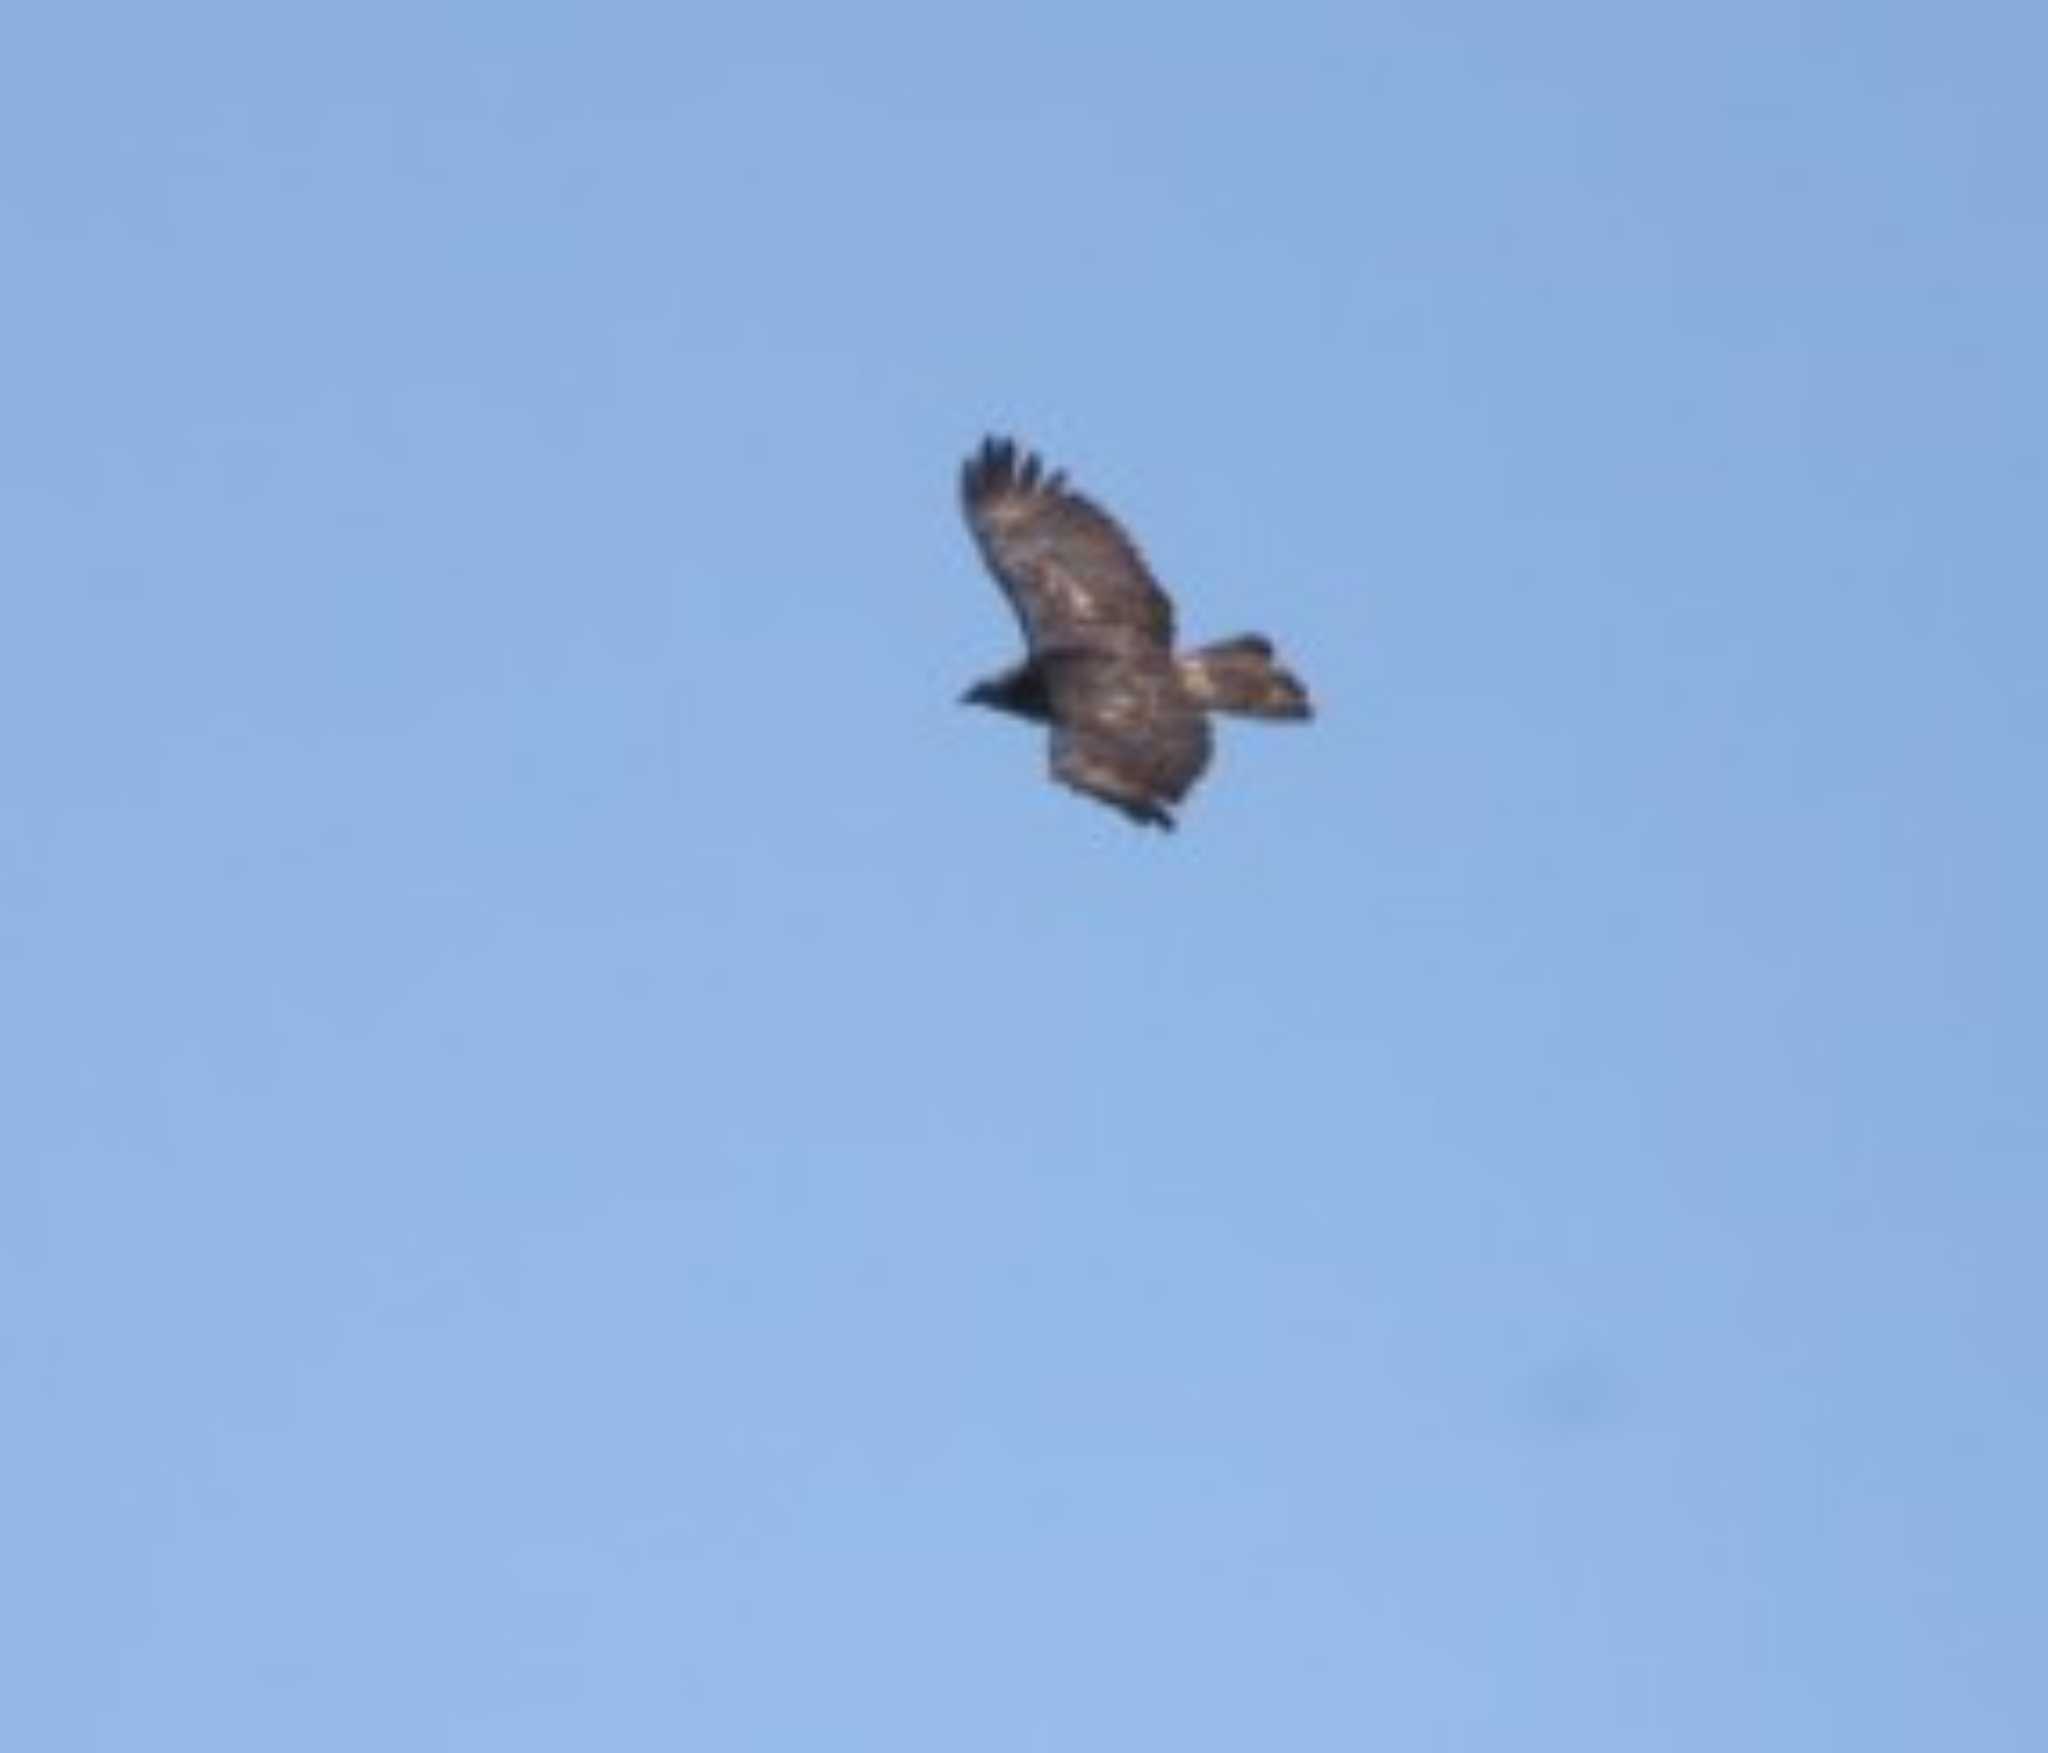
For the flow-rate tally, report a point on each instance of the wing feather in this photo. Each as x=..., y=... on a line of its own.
x=1073, y=576
x=1125, y=730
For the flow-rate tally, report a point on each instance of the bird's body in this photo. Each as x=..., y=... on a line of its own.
x=1129, y=716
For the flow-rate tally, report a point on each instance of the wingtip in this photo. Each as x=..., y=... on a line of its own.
x=988, y=468
x=1001, y=463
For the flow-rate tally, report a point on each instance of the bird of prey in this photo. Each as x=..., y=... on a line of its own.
x=1129, y=715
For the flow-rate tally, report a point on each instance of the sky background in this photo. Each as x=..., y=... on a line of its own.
x=587, y=1160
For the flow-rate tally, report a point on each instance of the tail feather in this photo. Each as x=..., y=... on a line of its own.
x=1242, y=675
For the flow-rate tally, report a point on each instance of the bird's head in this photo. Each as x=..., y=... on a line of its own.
x=1021, y=690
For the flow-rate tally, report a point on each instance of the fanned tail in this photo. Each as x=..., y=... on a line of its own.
x=1241, y=675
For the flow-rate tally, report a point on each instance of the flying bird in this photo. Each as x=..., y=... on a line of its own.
x=1129, y=716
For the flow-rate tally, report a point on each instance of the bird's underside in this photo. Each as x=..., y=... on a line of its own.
x=1128, y=716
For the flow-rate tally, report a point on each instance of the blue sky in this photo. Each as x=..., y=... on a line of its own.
x=591, y=1161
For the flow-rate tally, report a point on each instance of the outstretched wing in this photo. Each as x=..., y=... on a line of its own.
x=1073, y=576
x=1125, y=731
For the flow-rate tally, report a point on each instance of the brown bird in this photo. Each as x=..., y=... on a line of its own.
x=1129, y=714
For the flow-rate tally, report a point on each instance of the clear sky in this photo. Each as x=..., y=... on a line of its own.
x=589, y=1161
